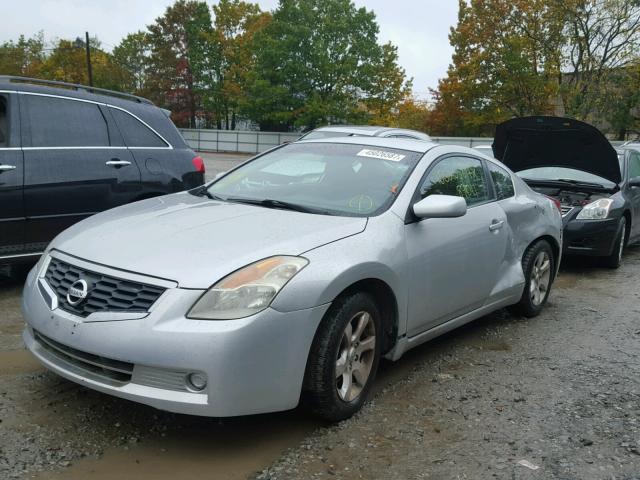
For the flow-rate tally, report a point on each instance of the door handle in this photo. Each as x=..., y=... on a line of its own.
x=5, y=168
x=114, y=162
x=496, y=225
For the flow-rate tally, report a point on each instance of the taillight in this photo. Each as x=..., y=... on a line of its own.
x=556, y=202
x=199, y=164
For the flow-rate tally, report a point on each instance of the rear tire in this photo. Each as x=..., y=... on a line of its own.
x=538, y=265
x=615, y=259
x=344, y=358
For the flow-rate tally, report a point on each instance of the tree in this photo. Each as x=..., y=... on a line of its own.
x=319, y=62
x=132, y=54
x=24, y=57
x=413, y=114
x=68, y=63
x=178, y=60
x=500, y=72
x=603, y=40
x=235, y=24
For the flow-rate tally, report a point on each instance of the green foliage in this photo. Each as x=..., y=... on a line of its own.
x=318, y=62
x=516, y=58
x=24, y=57
x=178, y=63
x=132, y=54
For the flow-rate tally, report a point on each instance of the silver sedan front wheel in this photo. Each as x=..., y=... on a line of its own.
x=344, y=357
x=355, y=356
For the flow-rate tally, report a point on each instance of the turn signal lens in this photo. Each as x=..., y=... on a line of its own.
x=248, y=290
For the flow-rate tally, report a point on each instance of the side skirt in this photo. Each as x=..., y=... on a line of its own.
x=406, y=344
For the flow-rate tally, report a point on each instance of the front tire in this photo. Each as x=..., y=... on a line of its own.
x=538, y=265
x=615, y=259
x=344, y=358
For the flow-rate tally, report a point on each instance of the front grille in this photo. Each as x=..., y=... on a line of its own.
x=105, y=368
x=565, y=209
x=105, y=293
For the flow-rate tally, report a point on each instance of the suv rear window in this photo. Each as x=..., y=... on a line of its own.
x=58, y=122
x=136, y=133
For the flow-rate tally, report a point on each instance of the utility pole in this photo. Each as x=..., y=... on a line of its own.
x=86, y=34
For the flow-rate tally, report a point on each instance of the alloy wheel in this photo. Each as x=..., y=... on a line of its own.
x=355, y=356
x=540, y=278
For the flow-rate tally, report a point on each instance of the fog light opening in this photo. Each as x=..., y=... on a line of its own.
x=196, y=381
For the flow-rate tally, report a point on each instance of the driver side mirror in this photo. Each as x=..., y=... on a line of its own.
x=634, y=182
x=440, y=206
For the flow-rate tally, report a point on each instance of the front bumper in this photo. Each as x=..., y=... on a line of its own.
x=252, y=365
x=590, y=237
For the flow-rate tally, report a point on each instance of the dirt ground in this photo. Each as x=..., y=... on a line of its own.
x=560, y=392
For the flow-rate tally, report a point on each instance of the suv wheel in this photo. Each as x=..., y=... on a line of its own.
x=344, y=358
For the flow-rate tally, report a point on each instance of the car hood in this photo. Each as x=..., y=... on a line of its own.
x=196, y=241
x=531, y=142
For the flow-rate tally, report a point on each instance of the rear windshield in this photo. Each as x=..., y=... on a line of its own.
x=328, y=178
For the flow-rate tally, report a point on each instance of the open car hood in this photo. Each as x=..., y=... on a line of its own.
x=530, y=142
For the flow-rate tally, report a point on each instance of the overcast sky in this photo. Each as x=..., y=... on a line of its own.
x=418, y=27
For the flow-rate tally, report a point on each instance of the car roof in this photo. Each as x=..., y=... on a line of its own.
x=355, y=129
x=369, y=130
x=409, y=144
x=63, y=89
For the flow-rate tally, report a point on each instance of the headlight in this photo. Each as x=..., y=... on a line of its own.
x=597, y=210
x=248, y=290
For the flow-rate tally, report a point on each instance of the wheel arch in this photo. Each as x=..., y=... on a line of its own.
x=386, y=300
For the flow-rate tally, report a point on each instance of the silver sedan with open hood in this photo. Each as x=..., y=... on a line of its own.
x=290, y=276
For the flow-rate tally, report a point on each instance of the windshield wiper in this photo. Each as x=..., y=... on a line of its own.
x=279, y=204
x=206, y=193
x=564, y=181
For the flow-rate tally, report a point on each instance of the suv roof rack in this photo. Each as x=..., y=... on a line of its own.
x=74, y=86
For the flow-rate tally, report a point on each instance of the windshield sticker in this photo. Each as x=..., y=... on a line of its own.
x=380, y=154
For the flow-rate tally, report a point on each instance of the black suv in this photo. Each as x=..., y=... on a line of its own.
x=69, y=151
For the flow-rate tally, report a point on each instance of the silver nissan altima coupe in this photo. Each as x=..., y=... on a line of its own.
x=287, y=278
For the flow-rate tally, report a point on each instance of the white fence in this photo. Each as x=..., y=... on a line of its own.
x=254, y=142
x=234, y=140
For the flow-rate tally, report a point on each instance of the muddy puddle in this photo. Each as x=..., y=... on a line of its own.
x=18, y=362
x=228, y=450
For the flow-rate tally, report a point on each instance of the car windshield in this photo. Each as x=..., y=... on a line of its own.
x=326, y=178
x=562, y=173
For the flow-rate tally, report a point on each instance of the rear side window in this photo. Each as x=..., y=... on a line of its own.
x=457, y=176
x=502, y=181
x=4, y=130
x=58, y=122
x=136, y=133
